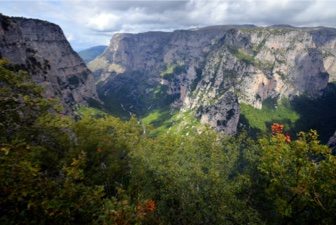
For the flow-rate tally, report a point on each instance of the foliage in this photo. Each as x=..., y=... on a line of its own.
x=302, y=113
x=190, y=179
x=171, y=70
x=47, y=160
x=262, y=119
x=318, y=114
x=119, y=210
x=90, y=111
x=20, y=103
x=161, y=120
x=101, y=170
x=165, y=121
x=107, y=142
x=295, y=180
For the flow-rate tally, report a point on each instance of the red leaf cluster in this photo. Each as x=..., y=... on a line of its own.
x=149, y=206
x=278, y=128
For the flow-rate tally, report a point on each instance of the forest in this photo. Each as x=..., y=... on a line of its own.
x=98, y=169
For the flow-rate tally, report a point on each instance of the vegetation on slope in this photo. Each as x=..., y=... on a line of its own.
x=259, y=120
x=100, y=170
x=166, y=120
x=300, y=114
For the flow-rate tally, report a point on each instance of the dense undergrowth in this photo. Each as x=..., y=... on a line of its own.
x=101, y=170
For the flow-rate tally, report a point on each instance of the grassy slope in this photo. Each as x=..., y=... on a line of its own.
x=300, y=114
x=261, y=120
x=166, y=120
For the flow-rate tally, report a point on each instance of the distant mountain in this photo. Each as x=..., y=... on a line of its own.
x=91, y=53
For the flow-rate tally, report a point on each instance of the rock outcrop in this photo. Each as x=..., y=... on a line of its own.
x=142, y=72
x=332, y=143
x=41, y=49
x=211, y=70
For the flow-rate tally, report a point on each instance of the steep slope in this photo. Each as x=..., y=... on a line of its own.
x=213, y=71
x=264, y=63
x=91, y=53
x=141, y=72
x=41, y=49
x=272, y=62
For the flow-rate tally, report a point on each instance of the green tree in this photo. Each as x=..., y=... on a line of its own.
x=190, y=179
x=299, y=180
x=43, y=164
x=107, y=142
x=21, y=103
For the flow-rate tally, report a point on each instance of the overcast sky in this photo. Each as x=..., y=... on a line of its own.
x=88, y=23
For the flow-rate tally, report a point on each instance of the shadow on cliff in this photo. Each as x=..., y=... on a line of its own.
x=243, y=126
x=318, y=114
x=316, y=109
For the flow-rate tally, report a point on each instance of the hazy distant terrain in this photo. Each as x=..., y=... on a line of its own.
x=91, y=53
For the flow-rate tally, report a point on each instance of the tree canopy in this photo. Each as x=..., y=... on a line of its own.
x=101, y=170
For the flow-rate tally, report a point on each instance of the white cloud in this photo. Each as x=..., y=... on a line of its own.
x=104, y=22
x=70, y=37
x=92, y=22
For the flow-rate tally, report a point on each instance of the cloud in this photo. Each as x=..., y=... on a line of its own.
x=69, y=37
x=93, y=22
x=104, y=22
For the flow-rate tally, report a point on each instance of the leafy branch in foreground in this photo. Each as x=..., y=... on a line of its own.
x=301, y=178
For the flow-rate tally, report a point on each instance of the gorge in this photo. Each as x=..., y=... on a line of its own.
x=223, y=76
x=212, y=72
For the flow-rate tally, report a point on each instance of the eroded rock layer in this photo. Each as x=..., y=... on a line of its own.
x=210, y=71
x=41, y=49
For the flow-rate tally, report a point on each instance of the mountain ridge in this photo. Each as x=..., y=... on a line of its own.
x=91, y=53
x=198, y=69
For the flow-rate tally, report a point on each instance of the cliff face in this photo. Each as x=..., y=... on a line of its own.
x=211, y=70
x=261, y=63
x=266, y=63
x=41, y=49
x=142, y=72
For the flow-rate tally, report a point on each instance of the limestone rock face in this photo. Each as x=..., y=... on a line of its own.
x=211, y=70
x=270, y=63
x=332, y=143
x=223, y=115
x=41, y=49
x=142, y=72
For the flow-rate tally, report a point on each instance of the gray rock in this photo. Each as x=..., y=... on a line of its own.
x=41, y=49
x=332, y=143
x=219, y=67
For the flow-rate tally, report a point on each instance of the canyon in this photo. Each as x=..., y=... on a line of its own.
x=212, y=76
x=212, y=71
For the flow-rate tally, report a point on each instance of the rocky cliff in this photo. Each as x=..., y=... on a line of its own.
x=211, y=71
x=41, y=49
x=139, y=73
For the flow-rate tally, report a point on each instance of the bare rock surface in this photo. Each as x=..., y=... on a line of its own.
x=41, y=49
x=210, y=71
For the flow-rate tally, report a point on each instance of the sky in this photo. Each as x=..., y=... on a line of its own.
x=88, y=23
